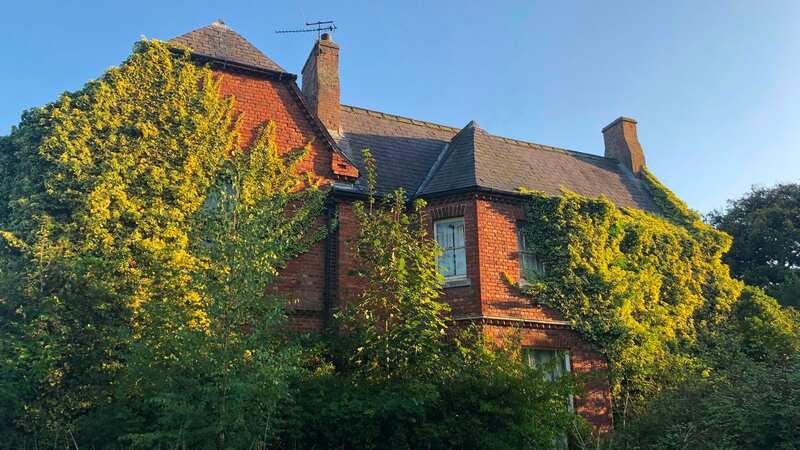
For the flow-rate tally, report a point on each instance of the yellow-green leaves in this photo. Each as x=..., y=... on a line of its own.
x=114, y=173
x=402, y=321
x=640, y=287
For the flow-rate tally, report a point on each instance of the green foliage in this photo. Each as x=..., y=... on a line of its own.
x=392, y=374
x=746, y=400
x=98, y=191
x=638, y=286
x=397, y=316
x=765, y=225
x=482, y=397
x=214, y=370
x=653, y=294
x=138, y=246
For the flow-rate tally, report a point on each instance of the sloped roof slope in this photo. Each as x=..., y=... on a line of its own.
x=218, y=41
x=404, y=149
x=427, y=159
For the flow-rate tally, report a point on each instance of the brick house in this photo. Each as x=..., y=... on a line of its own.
x=468, y=176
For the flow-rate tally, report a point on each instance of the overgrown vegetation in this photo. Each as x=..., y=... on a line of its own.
x=653, y=294
x=140, y=250
x=394, y=374
x=134, y=266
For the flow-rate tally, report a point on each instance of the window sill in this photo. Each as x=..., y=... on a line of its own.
x=456, y=282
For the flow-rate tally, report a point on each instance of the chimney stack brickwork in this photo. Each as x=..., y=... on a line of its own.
x=321, y=83
x=622, y=144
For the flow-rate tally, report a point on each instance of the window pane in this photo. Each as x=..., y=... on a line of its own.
x=523, y=245
x=458, y=234
x=460, y=257
x=554, y=363
x=446, y=266
x=444, y=236
x=529, y=263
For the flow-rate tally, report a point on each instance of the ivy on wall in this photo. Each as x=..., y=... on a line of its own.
x=646, y=289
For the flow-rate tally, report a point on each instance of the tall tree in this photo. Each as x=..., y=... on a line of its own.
x=399, y=313
x=213, y=370
x=98, y=193
x=138, y=244
x=765, y=225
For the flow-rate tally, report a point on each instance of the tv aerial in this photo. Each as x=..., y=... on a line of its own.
x=311, y=27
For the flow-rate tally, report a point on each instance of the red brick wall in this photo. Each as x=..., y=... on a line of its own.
x=499, y=254
x=464, y=300
x=348, y=285
x=257, y=101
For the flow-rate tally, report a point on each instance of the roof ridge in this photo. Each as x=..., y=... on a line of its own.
x=437, y=126
x=545, y=147
x=399, y=118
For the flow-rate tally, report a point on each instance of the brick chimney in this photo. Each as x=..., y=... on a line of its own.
x=321, y=82
x=623, y=145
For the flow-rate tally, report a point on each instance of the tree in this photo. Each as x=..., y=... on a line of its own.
x=765, y=226
x=215, y=369
x=401, y=322
x=138, y=245
x=98, y=193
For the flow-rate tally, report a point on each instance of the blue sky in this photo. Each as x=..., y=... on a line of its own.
x=714, y=85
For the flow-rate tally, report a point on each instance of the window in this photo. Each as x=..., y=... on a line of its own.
x=529, y=264
x=450, y=237
x=554, y=363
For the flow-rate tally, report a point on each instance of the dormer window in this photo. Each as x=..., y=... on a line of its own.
x=450, y=237
x=529, y=264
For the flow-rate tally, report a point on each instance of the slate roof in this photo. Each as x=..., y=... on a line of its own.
x=404, y=149
x=218, y=41
x=427, y=158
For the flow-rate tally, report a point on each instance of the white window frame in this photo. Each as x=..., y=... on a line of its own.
x=463, y=248
x=526, y=250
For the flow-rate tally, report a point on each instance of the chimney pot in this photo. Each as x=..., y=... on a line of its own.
x=326, y=37
x=622, y=144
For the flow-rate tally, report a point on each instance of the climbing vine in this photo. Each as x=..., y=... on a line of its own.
x=646, y=289
x=137, y=245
